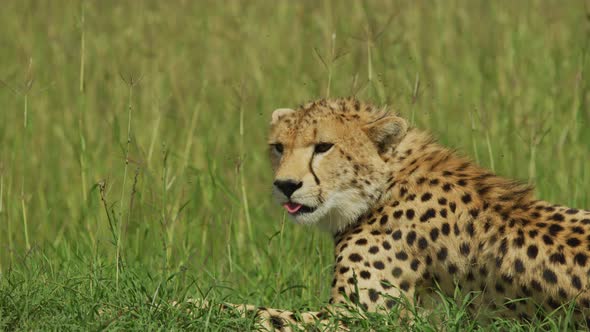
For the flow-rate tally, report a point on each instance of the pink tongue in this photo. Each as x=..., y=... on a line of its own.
x=292, y=207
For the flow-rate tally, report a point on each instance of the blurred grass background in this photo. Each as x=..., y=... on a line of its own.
x=134, y=132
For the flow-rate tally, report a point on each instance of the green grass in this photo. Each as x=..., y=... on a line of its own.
x=133, y=165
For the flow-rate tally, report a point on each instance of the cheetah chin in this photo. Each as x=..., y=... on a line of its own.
x=338, y=211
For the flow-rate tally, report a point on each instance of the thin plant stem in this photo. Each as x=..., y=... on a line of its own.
x=82, y=106
x=129, y=112
x=22, y=193
x=242, y=179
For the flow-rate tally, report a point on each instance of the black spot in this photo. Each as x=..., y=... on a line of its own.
x=533, y=233
x=507, y=279
x=374, y=249
x=397, y=214
x=453, y=206
x=519, y=266
x=415, y=264
x=573, y=242
x=519, y=242
x=504, y=246
x=499, y=287
x=572, y=211
x=526, y=291
x=557, y=217
x=576, y=282
x=456, y=229
x=385, y=284
x=554, y=229
x=532, y=251
x=442, y=254
x=430, y=213
x=355, y=257
x=580, y=259
x=550, y=276
x=499, y=261
x=443, y=213
x=464, y=248
x=277, y=322
x=397, y=235
x=373, y=295
x=402, y=256
x=446, y=228
x=434, y=234
x=361, y=242
x=470, y=229
x=411, y=237
x=365, y=274
x=547, y=240
x=410, y=214
x=383, y=220
x=474, y=213
x=578, y=230
x=510, y=305
x=426, y=197
x=536, y=285
x=452, y=268
x=466, y=198
x=422, y=243
x=447, y=187
x=386, y=245
x=562, y=293
x=396, y=272
x=379, y=265
x=462, y=182
x=483, y=271
x=344, y=269
x=404, y=285
x=557, y=257
x=390, y=303
x=552, y=303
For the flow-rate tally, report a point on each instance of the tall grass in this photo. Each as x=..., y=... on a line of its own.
x=121, y=195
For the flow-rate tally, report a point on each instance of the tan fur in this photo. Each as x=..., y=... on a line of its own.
x=409, y=215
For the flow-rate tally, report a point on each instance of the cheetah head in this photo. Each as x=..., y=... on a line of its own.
x=328, y=160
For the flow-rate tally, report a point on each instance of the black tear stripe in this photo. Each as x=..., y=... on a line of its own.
x=315, y=177
x=317, y=180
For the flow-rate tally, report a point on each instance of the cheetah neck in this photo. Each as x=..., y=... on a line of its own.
x=419, y=164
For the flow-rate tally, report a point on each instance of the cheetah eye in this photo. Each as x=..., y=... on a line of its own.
x=278, y=147
x=322, y=147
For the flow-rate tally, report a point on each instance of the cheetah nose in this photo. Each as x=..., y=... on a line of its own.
x=288, y=187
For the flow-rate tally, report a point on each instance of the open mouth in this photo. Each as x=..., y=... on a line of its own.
x=296, y=208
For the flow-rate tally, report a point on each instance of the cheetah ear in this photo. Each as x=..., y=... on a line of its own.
x=278, y=113
x=386, y=131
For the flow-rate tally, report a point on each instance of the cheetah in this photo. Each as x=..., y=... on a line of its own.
x=409, y=216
